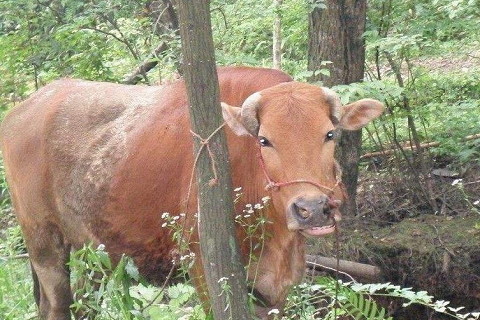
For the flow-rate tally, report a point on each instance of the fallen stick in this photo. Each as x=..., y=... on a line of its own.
x=354, y=269
x=412, y=148
x=18, y=256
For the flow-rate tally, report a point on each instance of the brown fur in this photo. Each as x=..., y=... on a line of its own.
x=101, y=162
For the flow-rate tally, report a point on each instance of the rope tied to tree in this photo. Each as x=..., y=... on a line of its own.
x=204, y=143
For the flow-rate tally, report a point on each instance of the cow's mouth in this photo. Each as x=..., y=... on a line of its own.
x=319, y=231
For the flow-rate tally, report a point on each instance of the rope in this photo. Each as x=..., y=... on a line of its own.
x=204, y=143
x=273, y=185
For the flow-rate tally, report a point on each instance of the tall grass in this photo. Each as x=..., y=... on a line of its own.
x=16, y=294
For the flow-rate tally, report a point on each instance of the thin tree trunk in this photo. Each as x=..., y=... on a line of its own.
x=277, y=35
x=224, y=272
x=335, y=34
x=420, y=157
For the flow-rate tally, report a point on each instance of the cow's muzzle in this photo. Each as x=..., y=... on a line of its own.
x=313, y=216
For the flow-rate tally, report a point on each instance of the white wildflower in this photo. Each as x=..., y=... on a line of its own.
x=165, y=215
x=456, y=181
x=164, y=225
x=476, y=202
x=237, y=189
x=258, y=206
x=265, y=199
x=182, y=215
x=273, y=311
x=248, y=205
x=222, y=279
x=101, y=247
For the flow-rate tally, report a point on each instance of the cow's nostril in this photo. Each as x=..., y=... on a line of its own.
x=304, y=213
x=301, y=211
x=326, y=210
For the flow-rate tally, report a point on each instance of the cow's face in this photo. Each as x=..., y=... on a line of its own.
x=296, y=126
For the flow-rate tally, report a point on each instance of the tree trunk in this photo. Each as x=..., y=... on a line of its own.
x=277, y=35
x=224, y=272
x=335, y=34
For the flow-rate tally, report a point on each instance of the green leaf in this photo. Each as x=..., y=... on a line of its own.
x=132, y=270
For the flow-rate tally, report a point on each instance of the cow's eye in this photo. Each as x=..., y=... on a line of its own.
x=330, y=135
x=264, y=142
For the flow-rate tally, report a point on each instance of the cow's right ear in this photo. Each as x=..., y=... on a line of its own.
x=233, y=118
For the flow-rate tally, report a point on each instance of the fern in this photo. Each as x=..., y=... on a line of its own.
x=359, y=307
x=354, y=304
x=347, y=302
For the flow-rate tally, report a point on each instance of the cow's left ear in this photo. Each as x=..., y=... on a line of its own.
x=358, y=114
x=233, y=117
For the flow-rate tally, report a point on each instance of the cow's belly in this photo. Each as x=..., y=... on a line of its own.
x=150, y=181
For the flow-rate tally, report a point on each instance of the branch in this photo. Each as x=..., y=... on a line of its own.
x=19, y=256
x=114, y=23
x=407, y=146
x=146, y=65
x=172, y=13
x=353, y=269
x=105, y=32
x=152, y=61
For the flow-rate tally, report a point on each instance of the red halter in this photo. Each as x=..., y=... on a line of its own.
x=273, y=185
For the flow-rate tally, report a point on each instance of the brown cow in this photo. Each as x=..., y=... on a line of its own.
x=100, y=162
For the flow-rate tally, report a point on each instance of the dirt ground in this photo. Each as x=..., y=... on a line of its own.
x=438, y=252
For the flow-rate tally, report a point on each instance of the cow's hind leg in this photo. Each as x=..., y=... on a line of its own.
x=49, y=254
x=36, y=286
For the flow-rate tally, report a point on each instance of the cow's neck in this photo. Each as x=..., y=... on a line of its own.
x=281, y=264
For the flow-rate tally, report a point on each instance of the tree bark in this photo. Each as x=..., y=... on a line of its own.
x=335, y=34
x=224, y=272
x=277, y=35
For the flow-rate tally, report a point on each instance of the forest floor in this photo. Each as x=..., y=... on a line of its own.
x=413, y=246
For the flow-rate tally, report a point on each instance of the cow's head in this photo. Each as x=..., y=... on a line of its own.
x=296, y=126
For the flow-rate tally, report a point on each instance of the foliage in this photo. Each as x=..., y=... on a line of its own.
x=106, y=291
x=439, y=20
x=336, y=299
x=398, y=34
x=231, y=22
x=411, y=297
x=101, y=40
x=330, y=298
x=5, y=200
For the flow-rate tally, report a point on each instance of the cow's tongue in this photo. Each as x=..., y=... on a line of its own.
x=319, y=231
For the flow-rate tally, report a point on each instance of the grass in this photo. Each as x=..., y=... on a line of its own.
x=16, y=294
